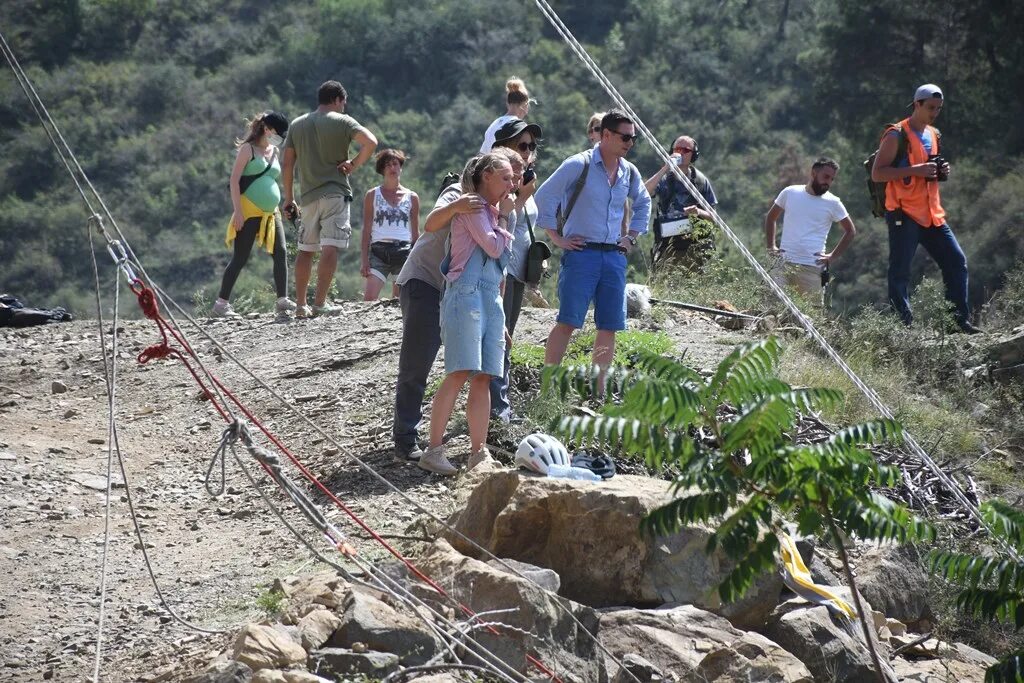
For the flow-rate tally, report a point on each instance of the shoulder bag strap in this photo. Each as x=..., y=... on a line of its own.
x=580, y=182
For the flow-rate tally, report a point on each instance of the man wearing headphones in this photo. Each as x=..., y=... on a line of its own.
x=675, y=203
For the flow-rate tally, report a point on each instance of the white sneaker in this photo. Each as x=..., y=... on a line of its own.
x=328, y=310
x=481, y=456
x=433, y=460
x=303, y=312
x=285, y=305
x=222, y=309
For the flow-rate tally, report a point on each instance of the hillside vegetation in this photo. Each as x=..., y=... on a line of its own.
x=152, y=93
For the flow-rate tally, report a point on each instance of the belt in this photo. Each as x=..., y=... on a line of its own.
x=602, y=246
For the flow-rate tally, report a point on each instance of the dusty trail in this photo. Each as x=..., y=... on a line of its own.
x=213, y=557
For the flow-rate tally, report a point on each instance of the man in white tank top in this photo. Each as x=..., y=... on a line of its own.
x=810, y=210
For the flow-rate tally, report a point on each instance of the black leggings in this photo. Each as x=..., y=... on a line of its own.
x=244, y=239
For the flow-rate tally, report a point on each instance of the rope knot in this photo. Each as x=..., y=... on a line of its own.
x=147, y=302
x=155, y=352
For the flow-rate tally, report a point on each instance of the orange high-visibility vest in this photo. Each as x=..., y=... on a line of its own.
x=918, y=197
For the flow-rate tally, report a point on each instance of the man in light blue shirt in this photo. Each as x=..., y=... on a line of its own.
x=593, y=264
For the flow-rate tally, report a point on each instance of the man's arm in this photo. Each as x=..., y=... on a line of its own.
x=883, y=171
x=414, y=219
x=288, y=175
x=550, y=195
x=641, y=208
x=367, y=144
x=769, y=229
x=849, y=232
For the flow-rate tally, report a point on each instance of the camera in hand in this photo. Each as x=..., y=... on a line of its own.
x=529, y=175
x=291, y=212
x=939, y=161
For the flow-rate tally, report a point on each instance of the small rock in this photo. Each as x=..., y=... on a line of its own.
x=70, y=413
x=58, y=387
x=97, y=441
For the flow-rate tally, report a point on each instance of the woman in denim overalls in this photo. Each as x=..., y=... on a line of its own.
x=472, y=319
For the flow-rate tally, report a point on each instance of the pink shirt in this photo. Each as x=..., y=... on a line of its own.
x=470, y=230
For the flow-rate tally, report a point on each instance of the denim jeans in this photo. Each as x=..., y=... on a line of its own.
x=513, y=304
x=421, y=339
x=941, y=245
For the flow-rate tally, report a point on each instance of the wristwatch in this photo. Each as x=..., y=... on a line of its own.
x=631, y=238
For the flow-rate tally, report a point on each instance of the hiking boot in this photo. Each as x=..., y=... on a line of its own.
x=285, y=305
x=480, y=456
x=433, y=460
x=404, y=454
x=328, y=310
x=303, y=312
x=968, y=328
x=222, y=309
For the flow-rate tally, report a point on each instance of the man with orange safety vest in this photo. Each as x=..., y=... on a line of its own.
x=913, y=210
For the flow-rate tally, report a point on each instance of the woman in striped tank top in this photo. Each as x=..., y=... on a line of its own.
x=391, y=224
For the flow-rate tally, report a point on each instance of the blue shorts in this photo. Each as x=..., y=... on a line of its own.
x=473, y=328
x=592, y=275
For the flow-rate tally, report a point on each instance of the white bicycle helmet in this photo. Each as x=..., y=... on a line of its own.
x=537, y=451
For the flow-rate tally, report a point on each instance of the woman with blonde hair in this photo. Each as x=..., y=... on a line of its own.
x=517, y=101
x=255, y=218
x=594, y=128
x=472, y=319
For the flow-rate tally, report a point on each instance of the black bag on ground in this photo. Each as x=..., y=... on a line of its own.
x=14, y=314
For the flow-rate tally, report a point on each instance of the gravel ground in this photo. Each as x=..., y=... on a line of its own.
x=213, y=556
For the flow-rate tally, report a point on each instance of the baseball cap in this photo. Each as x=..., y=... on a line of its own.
x=926, y=92
x=277, y=121
x=513, y=128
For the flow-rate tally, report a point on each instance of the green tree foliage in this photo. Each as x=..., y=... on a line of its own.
x=729, y=439
x=993, y=584
x=152, y=93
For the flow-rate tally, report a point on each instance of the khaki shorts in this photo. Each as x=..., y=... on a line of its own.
x=804, y=279
x=325, y=223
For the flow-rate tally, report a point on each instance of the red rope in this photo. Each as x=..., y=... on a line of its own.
x=148, y=304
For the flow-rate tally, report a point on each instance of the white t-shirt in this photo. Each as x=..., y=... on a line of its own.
x=492, y=129
x=806, y=222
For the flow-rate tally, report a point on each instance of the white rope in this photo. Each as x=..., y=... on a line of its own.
x=110, y=377
x=951, y=484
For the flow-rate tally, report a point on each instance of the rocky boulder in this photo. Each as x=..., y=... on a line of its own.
x=833, y=651
x=368, y=620
x=589, y=534
x=538, y=625
x=265, y=647
x=895, y=583
x=692, y=643
x=937, y=671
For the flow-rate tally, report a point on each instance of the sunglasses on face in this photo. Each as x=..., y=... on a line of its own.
x=595, y=129
x=684, y=150
x=523, y=146
x=626, y=137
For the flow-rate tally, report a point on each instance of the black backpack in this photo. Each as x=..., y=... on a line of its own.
x=876, y=190
x=450, y=178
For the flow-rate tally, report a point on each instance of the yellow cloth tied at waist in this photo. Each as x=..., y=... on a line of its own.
x=798, y=578
x=267, y=233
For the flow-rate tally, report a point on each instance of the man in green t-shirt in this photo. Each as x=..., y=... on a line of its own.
x=318, y=143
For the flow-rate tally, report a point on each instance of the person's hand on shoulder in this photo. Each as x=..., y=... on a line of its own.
x=468, y=203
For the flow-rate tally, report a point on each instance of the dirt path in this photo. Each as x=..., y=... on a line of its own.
x=213, y=556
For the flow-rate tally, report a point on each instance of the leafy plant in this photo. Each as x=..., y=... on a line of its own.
x=271, y=601
x=994, y=584
x=729, y=438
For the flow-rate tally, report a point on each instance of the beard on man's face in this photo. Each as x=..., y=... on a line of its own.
x=819, y=188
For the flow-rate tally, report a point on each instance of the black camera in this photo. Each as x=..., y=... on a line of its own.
x=939, y=161
x=529, y=175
